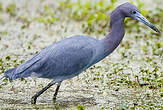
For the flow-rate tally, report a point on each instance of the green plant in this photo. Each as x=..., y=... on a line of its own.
x=11, y=9
x=1, y=7
x=80, y=107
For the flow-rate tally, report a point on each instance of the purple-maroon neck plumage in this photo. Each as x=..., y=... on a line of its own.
x=113, y=39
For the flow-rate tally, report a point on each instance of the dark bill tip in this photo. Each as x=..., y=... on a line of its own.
x=154, y=28
x=142, y=19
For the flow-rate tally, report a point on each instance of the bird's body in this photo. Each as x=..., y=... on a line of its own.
x=62, y=60
x=69, y=57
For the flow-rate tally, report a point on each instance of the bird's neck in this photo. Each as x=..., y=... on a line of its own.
x=113, y=39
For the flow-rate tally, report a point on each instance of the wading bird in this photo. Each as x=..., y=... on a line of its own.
x=69, y=57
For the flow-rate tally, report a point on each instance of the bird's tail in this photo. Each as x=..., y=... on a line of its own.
x=10, y=74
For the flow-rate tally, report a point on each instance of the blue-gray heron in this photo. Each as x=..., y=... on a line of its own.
x=69, y=57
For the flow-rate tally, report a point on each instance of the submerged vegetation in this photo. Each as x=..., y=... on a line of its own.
x=130, y=78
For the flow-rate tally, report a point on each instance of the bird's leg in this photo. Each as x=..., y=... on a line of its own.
x=56, y=92
x=34, y=98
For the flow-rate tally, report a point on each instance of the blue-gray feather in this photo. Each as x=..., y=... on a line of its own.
x=62, y=60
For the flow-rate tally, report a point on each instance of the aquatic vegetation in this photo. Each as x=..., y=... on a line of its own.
x=80, y=107
x=11, y=9
x=1, y=7
x=94, y=13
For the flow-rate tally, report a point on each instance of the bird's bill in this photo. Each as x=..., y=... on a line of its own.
x=142, y=19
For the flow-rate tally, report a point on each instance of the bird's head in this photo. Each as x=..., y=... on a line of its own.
x=130, y=10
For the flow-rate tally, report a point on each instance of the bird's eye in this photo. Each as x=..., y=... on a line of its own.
x=133, y=12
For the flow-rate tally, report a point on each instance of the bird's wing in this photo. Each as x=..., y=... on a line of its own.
x=67, y=57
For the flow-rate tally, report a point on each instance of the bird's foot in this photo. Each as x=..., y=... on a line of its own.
x=33, y=100
x=54, y=99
